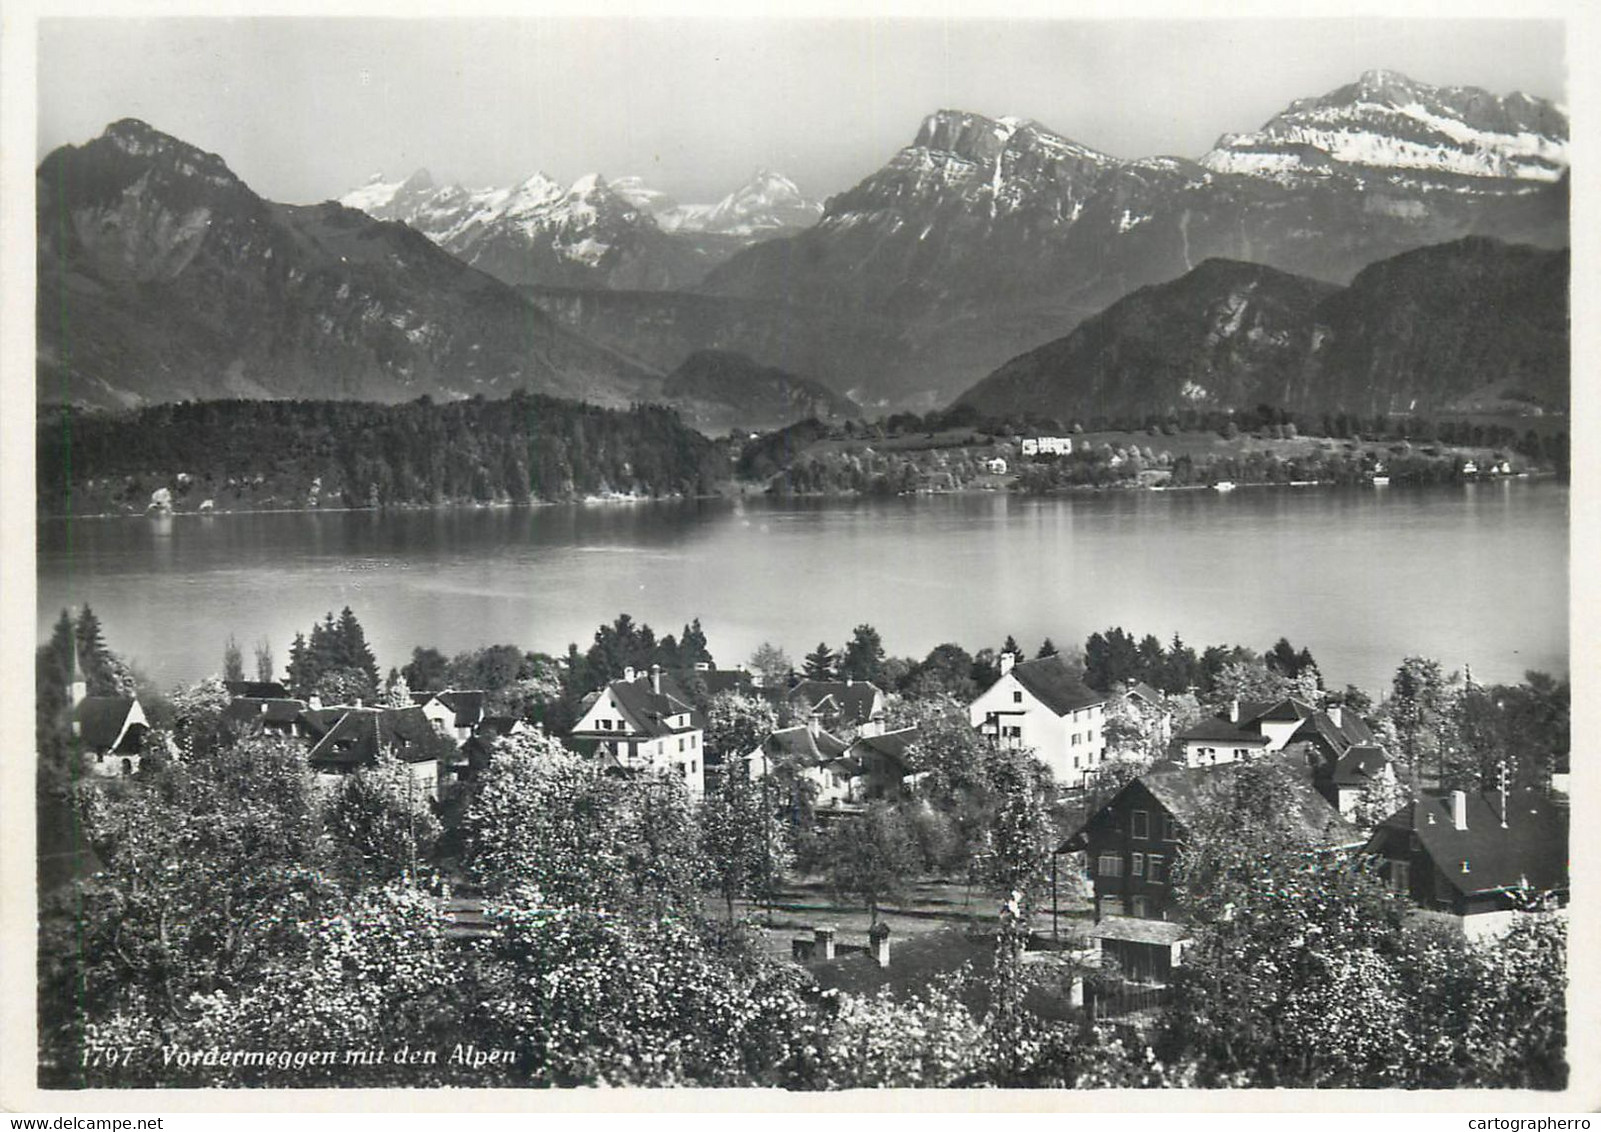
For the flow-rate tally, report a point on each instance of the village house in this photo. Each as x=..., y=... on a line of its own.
x=256, y=689
x=1043, y=705
x=361, y=733
x=1048, y=446
x=267, y=716
x=718, y=680
x=1249, y=728
x=837, y=704
x=1364, y=769
x=451, y=712
x=644, y=723
x=1480, y=859
x=1149, y=706
x=804, y=746
x=109, y=730
x=871, y=769
x=1131, y=843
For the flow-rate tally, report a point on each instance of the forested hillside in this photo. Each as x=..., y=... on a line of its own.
x=291, y=454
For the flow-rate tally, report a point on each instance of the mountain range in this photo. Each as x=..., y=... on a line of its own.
x=162, y=276
x=1474, y=325
x=621, y=234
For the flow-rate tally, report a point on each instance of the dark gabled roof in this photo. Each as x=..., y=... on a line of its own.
x=806, y=749
x=468, y=705
x=1143, y=691
x=1055, y=685
x=256, y=689
x=498, y=724
x=1532, y=850
x=891, y=745
x=251, y=710
x=854, y=700
x=317, y=721
x=648, y=710
x=1192, y=792
x=361, y=732
x=1360, y=765
x=1287, y=710
x=1220, y=729
x=101, y=719
x=719, y=679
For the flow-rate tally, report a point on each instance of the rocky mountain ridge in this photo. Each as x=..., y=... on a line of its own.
x=1469, y=326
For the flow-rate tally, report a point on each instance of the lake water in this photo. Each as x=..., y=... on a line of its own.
x=1474, y=574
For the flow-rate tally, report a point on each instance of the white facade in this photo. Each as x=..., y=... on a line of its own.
x=681, y=752
x=1071, y=744
x=1048, y=446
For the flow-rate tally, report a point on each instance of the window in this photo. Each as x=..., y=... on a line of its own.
x=1169, y=830
x=1089, y=736
x=1075, y=738
x=1111, y=865
x=1075, y=762
x=694, y=741
x=1017, y=697
x=680, y=746
x=605, y=725
x=1153, y=868
x=1140, y=827
x=1139, y=907
x=1400, y=876
x=1137, y=865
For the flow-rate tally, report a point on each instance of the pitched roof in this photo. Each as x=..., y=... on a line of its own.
x=468, y=705
x=1132, y=930
x=317, y=721
x=1143, y=691
x=1055, y=685
x=101, y=719
x=891, y=744
x=1359, y=765
x=853, y=699
x=648, y=710
x=361, y=732
x=1532, y=850
x=1286, y=710
x=247, y=709
x=256, y=689
x=800, y=744
x=1192, y=792
x=1220, y=729
x=719, y=679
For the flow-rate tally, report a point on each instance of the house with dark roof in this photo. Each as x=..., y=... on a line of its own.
x=1364, y=768
x=270, y=716
x=256, y=689
x=110, y=731
x=873, y=767
x=802, y=746
x=717, y=680
x=1130, y=845
x=1250, y=728
x=837, y=704
x=644, y=722
x=1043, y=705
x=1149, y=707
x=356, y=739
x=452, y=712
x=1481, y=859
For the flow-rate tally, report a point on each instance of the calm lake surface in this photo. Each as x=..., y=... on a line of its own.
x=1474, y=574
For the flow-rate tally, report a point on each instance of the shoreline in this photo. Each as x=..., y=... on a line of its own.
x=746, y=491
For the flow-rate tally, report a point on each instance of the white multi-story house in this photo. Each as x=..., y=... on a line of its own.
x=1042, y=704
x=645, y=723
x=1048, y=446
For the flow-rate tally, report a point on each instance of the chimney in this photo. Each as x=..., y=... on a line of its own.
x=656, y=679
x=850, y=681
x=1234, y=710
x=1007, y=660
x=872, y=728
x=628, y=674
x=1459, y=809
x=702, y=666
x=824, y=940
x=314, y=702
x=1337, y=715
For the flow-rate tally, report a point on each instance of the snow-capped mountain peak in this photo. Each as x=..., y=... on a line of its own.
x=1386, y=122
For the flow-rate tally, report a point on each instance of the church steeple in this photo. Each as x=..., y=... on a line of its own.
x=77, y=686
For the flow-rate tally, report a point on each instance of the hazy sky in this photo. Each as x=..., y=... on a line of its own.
x=305, y=109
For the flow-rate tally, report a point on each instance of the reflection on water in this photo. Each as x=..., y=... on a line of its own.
x=1473, y=574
